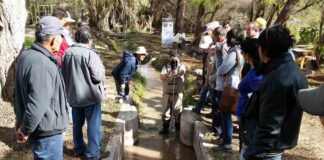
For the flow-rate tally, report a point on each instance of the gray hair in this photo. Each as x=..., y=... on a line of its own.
x=219, y=31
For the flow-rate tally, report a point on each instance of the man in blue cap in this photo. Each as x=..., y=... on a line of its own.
x=40, y=102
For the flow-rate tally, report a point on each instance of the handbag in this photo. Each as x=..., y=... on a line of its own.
x=230, y=95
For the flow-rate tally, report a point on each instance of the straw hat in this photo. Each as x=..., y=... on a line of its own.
x=141, y=50
x=205, y=42
x=262, y=22
x=69, y=18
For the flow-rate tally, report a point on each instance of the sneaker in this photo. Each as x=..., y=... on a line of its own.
x=227, y=147
x=120, y=101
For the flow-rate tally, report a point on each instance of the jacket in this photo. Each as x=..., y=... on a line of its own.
x=274, y=109
x=230, y=69
x=40, y=102
x=59, y=54
x=124, y=71
x=83, y=74
x=247, y=86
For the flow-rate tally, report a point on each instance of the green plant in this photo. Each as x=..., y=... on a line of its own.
x=308, y=34
x=189, y=90
x=28, y=41
x=138, y=88
x=161, y=60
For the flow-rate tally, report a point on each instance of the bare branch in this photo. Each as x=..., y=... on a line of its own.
x=307, y=5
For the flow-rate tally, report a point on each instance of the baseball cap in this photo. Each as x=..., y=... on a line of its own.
x=50, y=25
x=312, y=101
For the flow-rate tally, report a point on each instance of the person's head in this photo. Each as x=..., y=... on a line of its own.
x=84, y=35
x=252, y=30
x=262, y=23
x=61, y=14
x=174, y=59
x=82, y=24
x=69, y=21
x=250, y=51
x=219, y=34
x=140, y=53
x=274, y=42
x=234, y=37
x=49, y=32
x=226, y=25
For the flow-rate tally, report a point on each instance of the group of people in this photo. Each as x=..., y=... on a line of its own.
x=257, y=63
x=56, y=77
x=59, y=75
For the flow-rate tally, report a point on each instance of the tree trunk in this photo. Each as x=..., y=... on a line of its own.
x=320, y=39
x=286, y=11
x=251, y=11
x=179, y=25
x=13, y=17
x=198, y=30
x=158, y=13
x=217, y=7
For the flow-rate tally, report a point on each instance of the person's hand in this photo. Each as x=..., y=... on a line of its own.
x=122, y=86
x=21, y=137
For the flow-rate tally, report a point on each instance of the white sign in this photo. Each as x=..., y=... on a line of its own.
x=167, y=32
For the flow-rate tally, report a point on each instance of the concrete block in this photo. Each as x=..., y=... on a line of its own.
x=188, y=119
x=128, y=119
x=115, y=147
x=201, y=144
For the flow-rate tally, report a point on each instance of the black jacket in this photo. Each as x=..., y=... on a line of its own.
x=271, y=121
x=40, y=102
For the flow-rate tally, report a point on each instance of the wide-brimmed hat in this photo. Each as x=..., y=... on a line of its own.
x=205, y=42
x=69, y=18
x=312, y=101
x=141, y=50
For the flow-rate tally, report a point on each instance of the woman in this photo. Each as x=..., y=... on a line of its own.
x=230, y=69
x=250, y=82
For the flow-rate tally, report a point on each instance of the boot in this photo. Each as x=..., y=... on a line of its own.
x=177, y=126
x=165, y=129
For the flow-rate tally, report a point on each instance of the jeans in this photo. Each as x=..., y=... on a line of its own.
x=49, y=148
x=93, y=116
x=216, y=114
x=203, y=95
x=267, y=156
x=227, y=125
x=122, y=93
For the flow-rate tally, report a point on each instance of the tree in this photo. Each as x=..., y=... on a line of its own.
x=13, y=17
x=179, y=25
x=286, y=11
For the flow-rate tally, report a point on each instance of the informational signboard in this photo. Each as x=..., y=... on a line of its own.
x=167, y=32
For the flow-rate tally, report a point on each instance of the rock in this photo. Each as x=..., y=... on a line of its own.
x=13, y=17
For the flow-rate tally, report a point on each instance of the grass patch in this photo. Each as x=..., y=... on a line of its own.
x=189, y=90
x=138, y=91
x=28, y=41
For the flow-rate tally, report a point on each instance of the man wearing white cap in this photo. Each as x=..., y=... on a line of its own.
x=124, y=71
x=65, y=19
x=40, y=102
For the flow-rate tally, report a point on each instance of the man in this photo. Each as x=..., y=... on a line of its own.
x=205, y=43
x=39, y=100
x=172, y=76
x=219, y=37
x=252, y=30
x=65, y=20
x=226, y=25
x=312, y=101
x=271, y=121
x=124, y=71
x=84, y=73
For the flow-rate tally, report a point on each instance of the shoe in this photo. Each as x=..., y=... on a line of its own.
x=165, y=129
x=194, y=110
x=120, y=101
x=227, y=147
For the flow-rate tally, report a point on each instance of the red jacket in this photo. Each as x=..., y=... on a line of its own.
x=59, y=54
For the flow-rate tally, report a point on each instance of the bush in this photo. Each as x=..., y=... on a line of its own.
x=189, y=90
x=137, y=89
x=308, y=34
x=161, y=60
x=28, y=41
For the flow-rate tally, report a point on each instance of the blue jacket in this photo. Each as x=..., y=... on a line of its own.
x=126, y=68
x=248, y=85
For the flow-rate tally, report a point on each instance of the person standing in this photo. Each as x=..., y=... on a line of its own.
x=172, y=76
x=273, y=109
x=124, y=71
x=40, y=102
x=84, y=74
x=230, y=69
